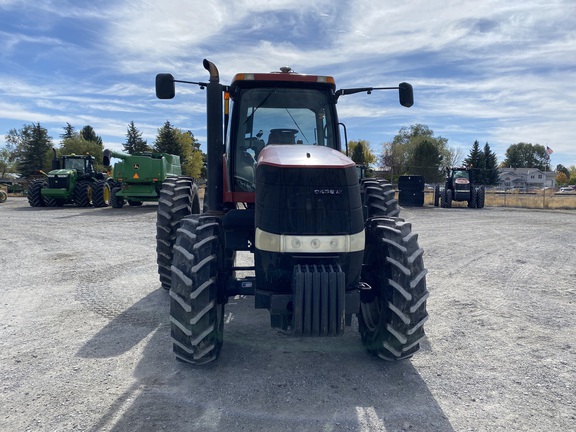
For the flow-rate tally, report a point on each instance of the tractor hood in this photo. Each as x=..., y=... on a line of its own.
x=60, y=172
x=303, y=156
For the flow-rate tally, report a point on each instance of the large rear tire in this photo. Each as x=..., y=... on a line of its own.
x=196, y=314
x=378, y=198
x=100, y=193
x=481, y=197
x=178, y=199
x=3, y=196
x=446, y=198
x=82, y=194
x=473, y=202
x=393, y=311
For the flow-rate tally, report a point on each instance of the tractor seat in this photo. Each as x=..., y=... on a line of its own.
x=282, y=136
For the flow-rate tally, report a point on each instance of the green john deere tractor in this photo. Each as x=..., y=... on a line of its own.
x=72, y=180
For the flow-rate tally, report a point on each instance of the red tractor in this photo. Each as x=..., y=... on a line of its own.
x=280, y=188
x=459, y=186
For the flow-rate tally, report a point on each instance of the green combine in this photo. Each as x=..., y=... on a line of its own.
x=138, y=177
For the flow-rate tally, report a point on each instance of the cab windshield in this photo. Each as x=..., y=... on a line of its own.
x=272, y=115
x=74, y=163
x=461, y=175
x=286, y=116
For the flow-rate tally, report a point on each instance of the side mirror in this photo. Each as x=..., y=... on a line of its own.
x=165, y=88
x=406, y=94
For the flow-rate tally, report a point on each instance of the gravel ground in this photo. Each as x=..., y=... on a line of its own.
x=85, y=345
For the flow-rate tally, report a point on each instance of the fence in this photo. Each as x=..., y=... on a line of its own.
x=535, y=200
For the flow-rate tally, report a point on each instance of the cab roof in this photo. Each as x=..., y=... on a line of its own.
x=284, y=75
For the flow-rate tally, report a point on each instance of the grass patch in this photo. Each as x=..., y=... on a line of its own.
x=538, y=200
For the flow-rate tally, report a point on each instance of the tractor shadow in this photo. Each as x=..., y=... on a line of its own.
x=264, y=379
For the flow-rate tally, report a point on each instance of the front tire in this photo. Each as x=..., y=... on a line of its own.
x=393, y=311
x=115, y=200
x=196, y=313
x=481, y=197
x=35, y=198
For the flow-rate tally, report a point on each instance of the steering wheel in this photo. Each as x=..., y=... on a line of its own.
x=244, y=184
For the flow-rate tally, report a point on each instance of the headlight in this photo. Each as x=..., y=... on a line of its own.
x=309, y=244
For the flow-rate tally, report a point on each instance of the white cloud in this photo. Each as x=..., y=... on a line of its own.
x=494, y=71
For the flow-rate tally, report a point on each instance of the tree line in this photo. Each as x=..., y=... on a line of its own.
x=30, y=149
x=415, y=150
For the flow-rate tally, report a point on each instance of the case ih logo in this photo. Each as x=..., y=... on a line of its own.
x=136, y=166
x=327, y=191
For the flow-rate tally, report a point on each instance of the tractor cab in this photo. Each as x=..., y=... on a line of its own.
x=82, y=164
x=275, y=109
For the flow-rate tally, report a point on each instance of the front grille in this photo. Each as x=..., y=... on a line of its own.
x=59, y=182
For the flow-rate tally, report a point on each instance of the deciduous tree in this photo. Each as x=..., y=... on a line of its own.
x=360, y=152
x=426, y=161
x=7, y=158
x=397, y=154
x=561, y=179
x=80, y=146
x=526, y=155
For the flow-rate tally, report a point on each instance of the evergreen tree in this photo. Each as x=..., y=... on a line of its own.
x=33, y=149
x=167, y=140
x=491, y=166
x=69, y=132
x=134, y=142
x=89, y=134
x=477, y=162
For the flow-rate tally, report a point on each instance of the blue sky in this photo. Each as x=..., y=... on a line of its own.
x=500, y=72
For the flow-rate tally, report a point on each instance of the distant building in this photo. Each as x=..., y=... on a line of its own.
x=525, y=178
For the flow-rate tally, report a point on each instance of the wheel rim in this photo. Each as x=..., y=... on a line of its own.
x=106, y=194
x=371, y=310
x=371, y=314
